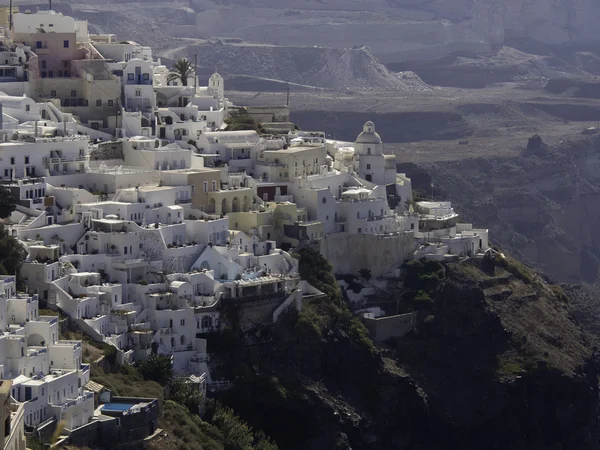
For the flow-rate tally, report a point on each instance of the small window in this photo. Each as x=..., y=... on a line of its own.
x=214, y=185
x=98, y=102
x=324, y=200
x=66, y=44
x=27, y=108
x=12, y=160
x=368, y=166
x=206, y=186
x=111, y=102
x=73, y=93
x=138, y=93
x=146, y=77
x=44, y=74
x=53, y=93
x=130, y=77
x=38, y=44
x=27, y=160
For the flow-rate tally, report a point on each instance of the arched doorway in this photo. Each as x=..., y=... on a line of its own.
x=224, y=207
x=212, y=206
x=35, y=340
x=235, y=205
x=206, y=322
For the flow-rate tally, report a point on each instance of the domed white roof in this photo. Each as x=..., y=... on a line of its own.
x=368, y=135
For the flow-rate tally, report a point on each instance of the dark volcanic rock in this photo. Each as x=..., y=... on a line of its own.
x=498, y=363
x=542, y=207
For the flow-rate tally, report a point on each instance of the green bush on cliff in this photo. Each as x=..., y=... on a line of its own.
x=515, y=267
x=315, y=269
x=422, y=279
x=240, y=120
x=237, y=435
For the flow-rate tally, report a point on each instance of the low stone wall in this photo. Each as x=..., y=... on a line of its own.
x=349, y=253
x=252, y=313
x=384, y=328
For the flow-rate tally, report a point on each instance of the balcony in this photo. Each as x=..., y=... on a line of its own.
x=308, y=223
x=375, y=218
x=138, y=82
x=62, y=160
x=183, y=348
x=258, y=297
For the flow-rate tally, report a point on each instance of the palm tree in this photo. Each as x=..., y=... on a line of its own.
x=181, y=70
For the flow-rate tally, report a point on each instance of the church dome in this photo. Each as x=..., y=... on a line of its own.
x=368, y=135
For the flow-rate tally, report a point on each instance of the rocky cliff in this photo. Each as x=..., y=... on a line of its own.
x=396, y=30
x=542, y=205
x=496, y=362
x=353, y=68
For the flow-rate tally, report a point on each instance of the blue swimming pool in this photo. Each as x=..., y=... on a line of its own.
x=118, y=406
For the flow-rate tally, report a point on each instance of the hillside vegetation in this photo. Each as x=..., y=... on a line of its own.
x=496, y=358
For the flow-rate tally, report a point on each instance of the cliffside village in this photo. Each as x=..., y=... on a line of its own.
x=142, y=216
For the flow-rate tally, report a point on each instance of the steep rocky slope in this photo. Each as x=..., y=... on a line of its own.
x=504, y=65
x=396, y=30
x=354, y=68
x=497, y=363
x=543, y=206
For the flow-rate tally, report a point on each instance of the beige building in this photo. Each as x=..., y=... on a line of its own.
x=282, y=222
x=12, y=435
x=230, y=200
x=73, y=73
x=203, y=181
x=207, y=194
x=290, y=163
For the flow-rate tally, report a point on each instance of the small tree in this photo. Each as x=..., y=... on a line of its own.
x=365, y=274
x=186, y=394
x=7, y=203
x=157, y=368
x=181, y=70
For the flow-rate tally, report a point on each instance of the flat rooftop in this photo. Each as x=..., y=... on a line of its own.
x=295, y=149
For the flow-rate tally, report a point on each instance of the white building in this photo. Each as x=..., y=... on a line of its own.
x=438, y=223
x=47, y=373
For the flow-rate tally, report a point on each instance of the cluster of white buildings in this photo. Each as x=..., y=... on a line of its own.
x=142, y=216
x=48, y=374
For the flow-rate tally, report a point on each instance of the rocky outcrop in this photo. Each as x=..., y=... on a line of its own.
x=497, y=362
x=353, y=68
x=543, y=206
